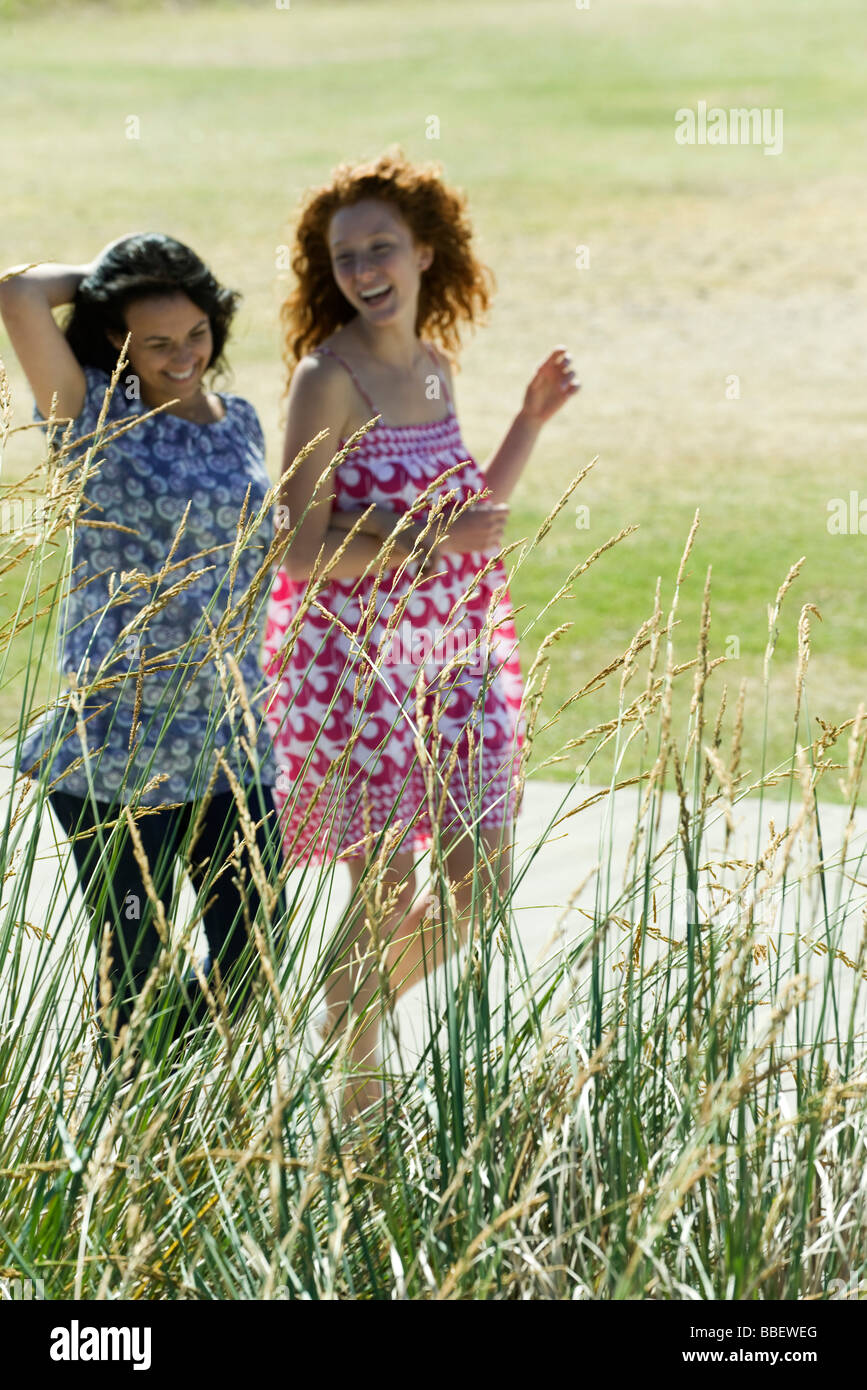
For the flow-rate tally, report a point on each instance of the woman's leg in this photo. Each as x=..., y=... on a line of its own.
x=113, y=885
x=470, y=771
x=358, y=961
x=427, y=944
x=411, y=942
x=225, y=881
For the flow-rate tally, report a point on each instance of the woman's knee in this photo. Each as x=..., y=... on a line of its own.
x=370, y=878
x=476, y=869
x=380, y=895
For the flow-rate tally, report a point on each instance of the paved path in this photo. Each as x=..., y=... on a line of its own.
x=587, y=852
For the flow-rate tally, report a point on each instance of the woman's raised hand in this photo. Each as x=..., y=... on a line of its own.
x=552, y=385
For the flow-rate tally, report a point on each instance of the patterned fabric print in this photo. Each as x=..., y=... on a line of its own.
x=144, y=483
x=315, y=700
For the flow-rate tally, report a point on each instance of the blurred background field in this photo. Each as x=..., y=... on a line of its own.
x=702, y=264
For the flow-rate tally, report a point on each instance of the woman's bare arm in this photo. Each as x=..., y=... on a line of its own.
x=319, y=398
x=26, y=301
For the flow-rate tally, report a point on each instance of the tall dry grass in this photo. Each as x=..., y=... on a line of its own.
x=674, y=1107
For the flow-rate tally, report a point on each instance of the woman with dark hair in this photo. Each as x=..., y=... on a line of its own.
x=156, y=637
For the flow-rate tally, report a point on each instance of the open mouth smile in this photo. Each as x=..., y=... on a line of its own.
x=377, y=296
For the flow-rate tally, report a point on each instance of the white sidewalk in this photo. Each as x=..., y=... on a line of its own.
x=552, y=864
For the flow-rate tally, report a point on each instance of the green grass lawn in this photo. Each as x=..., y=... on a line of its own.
x=705, y=263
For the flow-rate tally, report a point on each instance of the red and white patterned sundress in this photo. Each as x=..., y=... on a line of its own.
x=332, y=681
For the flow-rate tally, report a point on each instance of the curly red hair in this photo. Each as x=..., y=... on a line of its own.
x=455, y=287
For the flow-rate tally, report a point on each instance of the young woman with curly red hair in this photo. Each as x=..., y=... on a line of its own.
x=385, y=275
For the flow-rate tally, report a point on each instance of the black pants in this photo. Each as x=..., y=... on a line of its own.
x=113, y=884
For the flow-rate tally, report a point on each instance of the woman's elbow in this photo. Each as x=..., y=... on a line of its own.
x=293, y=568
x=297, y=563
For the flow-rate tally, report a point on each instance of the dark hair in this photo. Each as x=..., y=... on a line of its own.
x=139, y=267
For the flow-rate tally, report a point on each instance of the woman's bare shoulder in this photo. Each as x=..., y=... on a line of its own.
x=320, y=372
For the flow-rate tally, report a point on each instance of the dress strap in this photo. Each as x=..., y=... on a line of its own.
x=360, y=388
x=344, y=363
x=430, y=353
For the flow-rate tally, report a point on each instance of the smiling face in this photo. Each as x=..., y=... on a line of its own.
x=376, y=263
x=170, y=347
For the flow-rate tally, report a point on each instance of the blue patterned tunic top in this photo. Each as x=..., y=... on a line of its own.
x=163, y=709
